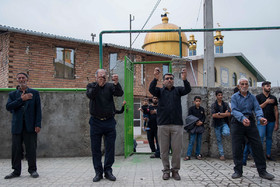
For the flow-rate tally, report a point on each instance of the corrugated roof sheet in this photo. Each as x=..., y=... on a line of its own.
x=4, y=28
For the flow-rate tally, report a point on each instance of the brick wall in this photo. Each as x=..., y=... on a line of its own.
x=35, y=55
x=4, y=59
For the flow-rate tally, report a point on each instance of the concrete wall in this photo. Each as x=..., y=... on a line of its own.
x=65, y=128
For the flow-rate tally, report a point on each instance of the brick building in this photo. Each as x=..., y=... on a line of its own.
x=61, y=62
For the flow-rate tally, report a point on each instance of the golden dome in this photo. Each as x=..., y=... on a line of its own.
x=165, y=42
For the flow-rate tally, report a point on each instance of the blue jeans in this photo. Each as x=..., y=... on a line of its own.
x=145, y=122
x=246, y=152
x=198, y=144
x=219, y=131
x=266, y=131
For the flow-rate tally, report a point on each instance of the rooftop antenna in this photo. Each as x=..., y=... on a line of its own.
x=93, y=36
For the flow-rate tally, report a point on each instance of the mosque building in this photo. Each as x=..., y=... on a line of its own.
x=229, y=67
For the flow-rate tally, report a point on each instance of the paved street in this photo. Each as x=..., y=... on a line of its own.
x=137, y=170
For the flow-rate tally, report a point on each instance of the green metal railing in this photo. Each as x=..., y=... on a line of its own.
x=157, y=62
x=175, y=30
x=49, y=89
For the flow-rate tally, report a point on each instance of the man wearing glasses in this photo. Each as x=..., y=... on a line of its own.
x=243, y=104
x=169, y=120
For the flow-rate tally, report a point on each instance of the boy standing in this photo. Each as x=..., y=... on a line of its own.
x=220, y=112
x=197, y=131
x=145, y=110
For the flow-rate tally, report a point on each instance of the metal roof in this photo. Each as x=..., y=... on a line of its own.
x=4, y=28
x=240, y=56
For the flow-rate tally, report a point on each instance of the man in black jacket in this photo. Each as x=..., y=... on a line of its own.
x=152, y=124
x=25, y=105
x=169, y=120
x=102, y=122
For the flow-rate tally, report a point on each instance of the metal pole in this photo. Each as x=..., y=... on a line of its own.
x=100, y=51
x=180, y=42
x=193, y=73
x=130, y=32
x=177, y=30
x=208, y=64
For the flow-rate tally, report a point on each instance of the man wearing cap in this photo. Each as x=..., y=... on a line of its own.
x=269, y=105
x=25, y=106
x=169, y=120
x=102, y=122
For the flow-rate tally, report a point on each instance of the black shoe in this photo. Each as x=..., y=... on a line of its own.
x=266, y=175
x=11, y=175
x=270, y=158
x=97, y=177
x=236, y=175
x=166, y=176
x=153, y=156
x=34, y=174
x=110, y=176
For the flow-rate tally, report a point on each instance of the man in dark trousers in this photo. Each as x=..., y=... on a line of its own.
x=152, y=124
x=169, y=120
x=243, y=105
x=102, y=122
x=269, y=105
x=25, y=106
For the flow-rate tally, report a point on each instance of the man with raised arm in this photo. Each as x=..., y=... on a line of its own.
x=102, y=122
x=169, y=120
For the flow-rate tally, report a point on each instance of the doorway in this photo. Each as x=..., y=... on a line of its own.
x=133, y=117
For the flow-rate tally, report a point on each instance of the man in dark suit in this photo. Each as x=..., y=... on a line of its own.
x=25, y=106
x=102, y=122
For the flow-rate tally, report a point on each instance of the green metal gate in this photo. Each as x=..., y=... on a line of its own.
x=129, y=110
x=128, y=96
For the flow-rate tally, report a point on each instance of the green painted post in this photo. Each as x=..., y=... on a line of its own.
x=175, y=30
x=100, y=51
x=180, y=42
x=49, y=89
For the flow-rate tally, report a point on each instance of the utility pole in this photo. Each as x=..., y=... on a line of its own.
x=130, y=20
x=208, y=64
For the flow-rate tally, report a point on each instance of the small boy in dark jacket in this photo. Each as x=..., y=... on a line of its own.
x=196, y=132
x=145, y=110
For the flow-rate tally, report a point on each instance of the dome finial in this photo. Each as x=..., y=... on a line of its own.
x=218, y=41
x=164, y=16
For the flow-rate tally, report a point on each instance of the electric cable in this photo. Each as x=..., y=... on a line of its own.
x=155, y=7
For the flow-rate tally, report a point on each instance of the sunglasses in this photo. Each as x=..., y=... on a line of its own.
x=169, y=78
x=242, y=84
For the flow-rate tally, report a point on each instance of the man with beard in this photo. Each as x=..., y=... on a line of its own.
x=269, y=106
x=243, y=105
x=102, y=122
x=25, y=105
x=152, y=124
x=169, y=120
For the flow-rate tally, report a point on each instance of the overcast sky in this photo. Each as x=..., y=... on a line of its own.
x=80, y=18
